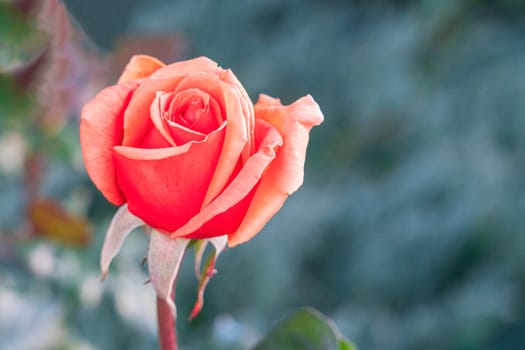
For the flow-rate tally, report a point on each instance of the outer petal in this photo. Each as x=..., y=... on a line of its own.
x=247, y=108
x=136, y=120
x=140, y=66
x=166, y=187
x=236, y=134
x=100, y=130
x=285, y=174
x=225, y=222
x=224, y=213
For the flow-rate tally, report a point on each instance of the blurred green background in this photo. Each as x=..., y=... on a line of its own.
x=408, y=231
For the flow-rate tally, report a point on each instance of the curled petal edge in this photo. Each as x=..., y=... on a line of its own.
x=247, y=178
x=100, y=125
x=285, y=175
x=140, y=66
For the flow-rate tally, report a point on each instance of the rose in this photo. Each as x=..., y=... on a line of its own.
x=185, y=148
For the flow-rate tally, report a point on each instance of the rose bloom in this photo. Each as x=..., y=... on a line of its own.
x=184, y=147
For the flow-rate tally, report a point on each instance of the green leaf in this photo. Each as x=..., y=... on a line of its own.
x=14, y=104
x=345, y=345
x=306, y=329
x=19, y=38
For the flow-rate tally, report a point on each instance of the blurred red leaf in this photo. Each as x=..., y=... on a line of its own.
x=25, y=7
x=50, y=221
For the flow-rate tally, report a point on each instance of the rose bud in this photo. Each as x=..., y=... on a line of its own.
x=184, y=151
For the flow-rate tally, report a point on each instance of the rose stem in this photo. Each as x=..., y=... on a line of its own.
x=167, y=330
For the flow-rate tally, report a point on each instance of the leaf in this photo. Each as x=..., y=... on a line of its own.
x=21, y=39
x=344, y=344
x=306, y=329
x=15, y=104
x=51, y=221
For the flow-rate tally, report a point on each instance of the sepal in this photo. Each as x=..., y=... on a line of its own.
x=207, y=272
x=121, y=226
x=164, y=259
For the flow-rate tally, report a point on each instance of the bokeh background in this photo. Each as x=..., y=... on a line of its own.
x=408, y=230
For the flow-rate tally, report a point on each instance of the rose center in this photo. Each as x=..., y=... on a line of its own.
x=184, y=116
x=193, y=112
x=193, y=109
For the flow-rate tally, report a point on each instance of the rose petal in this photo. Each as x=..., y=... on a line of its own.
x=122, y=224
x=154, y=139
x=165, y=187
x=209, y=117
x=236, y=133
x=267, y=101
x=285, y=174
x=157, y=110
x=164, y=79
x=227, y=221
x=174, y=133
x=208, y=221
x=164, y=259
x=140, y=66
x=100, y=130
x=247, y=108
x=294, y=123
x=182, y=135
x=190, y=108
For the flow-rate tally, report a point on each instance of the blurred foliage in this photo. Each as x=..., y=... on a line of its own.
x=14, y=103
x=305, y=329
x=15, y=32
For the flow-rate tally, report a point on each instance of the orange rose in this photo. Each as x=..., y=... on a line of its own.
x=185, y=148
